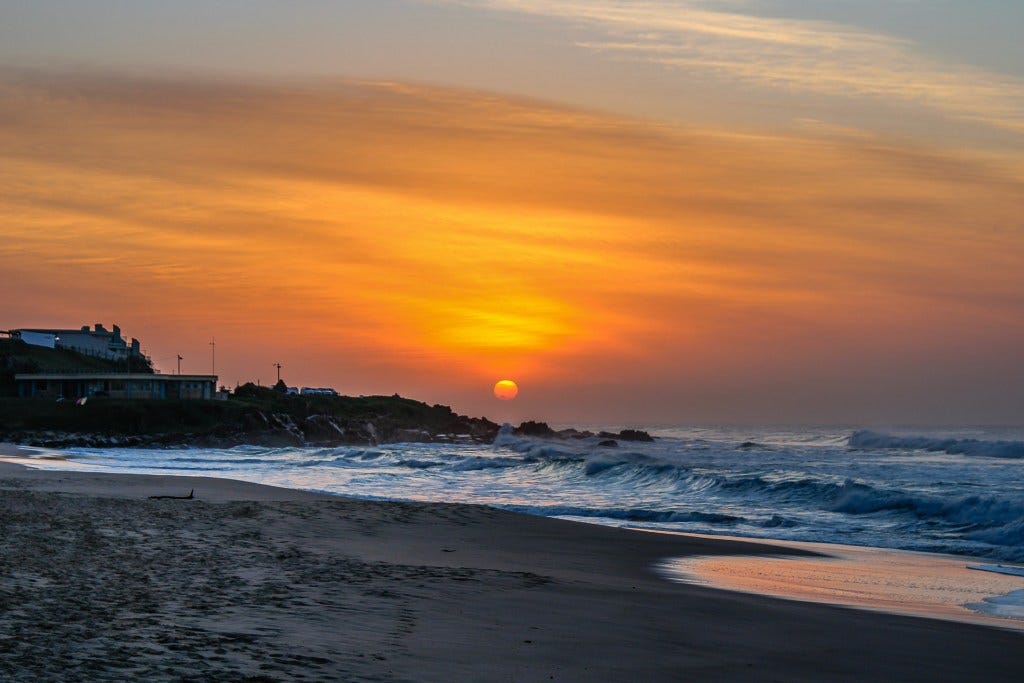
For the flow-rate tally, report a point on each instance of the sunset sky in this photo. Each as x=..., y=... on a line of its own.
x=643, y=212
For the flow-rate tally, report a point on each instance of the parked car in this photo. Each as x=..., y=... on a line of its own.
x=322, y=391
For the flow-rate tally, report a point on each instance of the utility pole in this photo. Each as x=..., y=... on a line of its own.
x=179, y=363
x=278, y=366
x=213, y=356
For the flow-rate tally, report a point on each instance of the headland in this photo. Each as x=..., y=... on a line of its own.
x=248, y=415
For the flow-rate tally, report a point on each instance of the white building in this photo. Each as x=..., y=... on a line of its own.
x=99, y=341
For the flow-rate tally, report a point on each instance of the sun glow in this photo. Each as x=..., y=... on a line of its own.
x=506, y=390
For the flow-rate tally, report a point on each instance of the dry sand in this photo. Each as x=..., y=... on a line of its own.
x=248, y=582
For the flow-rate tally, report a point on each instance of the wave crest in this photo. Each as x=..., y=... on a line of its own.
x=865, y=439
x=632, y=514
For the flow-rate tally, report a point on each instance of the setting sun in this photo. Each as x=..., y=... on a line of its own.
x=506, y=390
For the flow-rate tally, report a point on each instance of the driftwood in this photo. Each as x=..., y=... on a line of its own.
x=188, y=497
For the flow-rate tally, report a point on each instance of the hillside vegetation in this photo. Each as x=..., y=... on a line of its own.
x=253, y=415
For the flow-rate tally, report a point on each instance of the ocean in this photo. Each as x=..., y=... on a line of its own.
x=951, y=491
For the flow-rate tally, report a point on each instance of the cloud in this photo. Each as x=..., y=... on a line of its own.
x=395, y=236
x=799, y=55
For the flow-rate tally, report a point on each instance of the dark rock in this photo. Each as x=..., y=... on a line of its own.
x=635, y=435
x=322, y=430
x=609, y=443
x=532, y=428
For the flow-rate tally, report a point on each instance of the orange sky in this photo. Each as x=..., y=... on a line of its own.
x=384, y=237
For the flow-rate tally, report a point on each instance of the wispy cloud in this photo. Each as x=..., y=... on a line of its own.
x=800, y=55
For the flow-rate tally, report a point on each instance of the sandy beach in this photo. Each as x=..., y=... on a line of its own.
x=244, y=582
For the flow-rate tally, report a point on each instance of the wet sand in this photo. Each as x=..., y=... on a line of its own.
x=901, y=582
x=245, y=582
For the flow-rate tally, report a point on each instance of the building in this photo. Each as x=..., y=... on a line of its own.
x=98, y=341
x=136, y=385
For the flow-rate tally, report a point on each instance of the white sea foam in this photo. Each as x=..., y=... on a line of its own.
x=1010, y=606
x=1011, y=570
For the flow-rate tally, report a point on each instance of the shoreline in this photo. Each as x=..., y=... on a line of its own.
x=912, y=583
x=825, y=573
x=248, y=580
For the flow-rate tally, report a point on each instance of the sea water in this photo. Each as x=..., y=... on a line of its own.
x=959, y=492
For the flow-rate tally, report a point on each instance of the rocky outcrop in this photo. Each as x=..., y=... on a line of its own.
x=260, y=416
x=279, y=430
x=538, y=429
x=608, y=439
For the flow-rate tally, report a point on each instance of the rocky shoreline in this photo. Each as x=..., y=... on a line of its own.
x=253, y=415
x=282, y=432
x=265, y=429
x=260, y=419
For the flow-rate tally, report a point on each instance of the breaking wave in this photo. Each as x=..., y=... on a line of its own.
x=631, y=514
x=974, y=512
x=867, y=440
